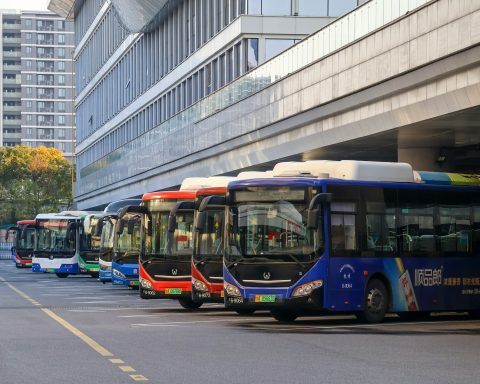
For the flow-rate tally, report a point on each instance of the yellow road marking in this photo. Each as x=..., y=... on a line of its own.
x=82, y=336
x=117, y=361
x=87, y=340
x=126, y=368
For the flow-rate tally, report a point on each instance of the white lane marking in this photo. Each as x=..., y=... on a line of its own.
x=176, y=323
x=86, y=310
x=95, y=302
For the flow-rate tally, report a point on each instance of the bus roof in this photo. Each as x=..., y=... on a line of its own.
x=212, y=191
x=169, y=195
x=59, y=216
x=114, y=206
x=25, y=222
x=313, y=182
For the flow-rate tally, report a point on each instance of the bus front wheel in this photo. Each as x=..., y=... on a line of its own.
x=283, y=315
x=62, y=275
x=375, y=302
x=189, y=304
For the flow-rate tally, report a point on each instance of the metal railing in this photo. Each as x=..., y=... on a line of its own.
x=6, y=250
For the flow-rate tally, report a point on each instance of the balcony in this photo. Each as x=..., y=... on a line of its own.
x=46, y=110
x=16, y=135
x=46, y=96
x=12, y=67
x=11, y=122
x=45, y=27
x=13, y=108
x=46, y=55
x=46, y=82
x=12, y=81
x=46, y=123
x=45, y=42
x=12, y=54
x=12, y=95
x=15, y=27
x=12, y=40
x=46, y=69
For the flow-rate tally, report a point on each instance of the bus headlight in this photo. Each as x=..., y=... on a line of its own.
x=146, y=284
x=231, y=290
x=306, y=289
x=118, y=274
x=199, y=285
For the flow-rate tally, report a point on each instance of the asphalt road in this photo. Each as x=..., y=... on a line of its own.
x=77, y=330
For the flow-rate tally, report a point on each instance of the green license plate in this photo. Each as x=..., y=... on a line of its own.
x=265, y=298
x=134, y=283
x=173, y=291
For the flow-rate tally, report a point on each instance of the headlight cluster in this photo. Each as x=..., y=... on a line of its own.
x=231, y=290
x=146, y=284
x=118, y=274
x=306, y=289
x=199, y=285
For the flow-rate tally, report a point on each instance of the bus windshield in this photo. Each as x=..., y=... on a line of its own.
x=88, y=240
x=177, y=244
x=209, y=240
x=106, y=239
x=129, y=244
x=272, y=231
x=52, y=236
x=26, y=238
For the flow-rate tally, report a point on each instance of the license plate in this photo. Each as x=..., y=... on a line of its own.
x=265, y=298
x=134, y=282
x=173, y=291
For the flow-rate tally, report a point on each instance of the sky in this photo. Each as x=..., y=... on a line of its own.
x=30, y=5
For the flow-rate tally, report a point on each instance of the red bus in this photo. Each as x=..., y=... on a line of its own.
x=165, y=257
x=24, y=243
x=207, y=257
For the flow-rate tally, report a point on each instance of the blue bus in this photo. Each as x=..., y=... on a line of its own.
x=106, y=230
x=303, y=245
x=126, y=247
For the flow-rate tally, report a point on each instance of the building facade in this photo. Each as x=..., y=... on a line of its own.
x=38, y=82
x=131, y=79
x=172, y=89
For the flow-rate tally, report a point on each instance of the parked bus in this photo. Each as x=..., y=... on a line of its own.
x=58, y=243
x=22, y=251
x=106, y=231
x=126, y=247
x=89, y=245
x=207, y=257
x=363, y=238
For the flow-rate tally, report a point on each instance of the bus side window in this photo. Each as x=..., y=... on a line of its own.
x=476, y=230
x=343, y=228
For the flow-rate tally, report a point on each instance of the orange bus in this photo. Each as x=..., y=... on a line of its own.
x=24, y=243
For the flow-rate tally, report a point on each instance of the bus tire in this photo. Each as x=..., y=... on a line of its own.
x=18, y=265
x=94, y=274
x=189, y=303
x=245, y=311
x=62, y=275
x=284, y=315
x=135, y=287
x=375, y=302
x=143, y=295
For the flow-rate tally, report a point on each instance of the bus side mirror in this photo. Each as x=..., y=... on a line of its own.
x=71, y=231
x=149, y=228
x=313, y=209
x=99, y=228
x=201, y=219
x=130, y=227
x=312, y=220
x=121, y=226
x=172, y=223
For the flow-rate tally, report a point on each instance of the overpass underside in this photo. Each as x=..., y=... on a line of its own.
x=409, y=91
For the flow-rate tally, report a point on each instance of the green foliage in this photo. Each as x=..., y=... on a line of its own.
x=33, y=180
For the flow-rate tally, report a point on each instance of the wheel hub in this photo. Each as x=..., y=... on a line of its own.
x=375, y=300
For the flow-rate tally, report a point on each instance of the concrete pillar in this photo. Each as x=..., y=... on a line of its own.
x=426, y=159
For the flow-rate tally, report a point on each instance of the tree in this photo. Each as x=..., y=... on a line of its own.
x=33, y=180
